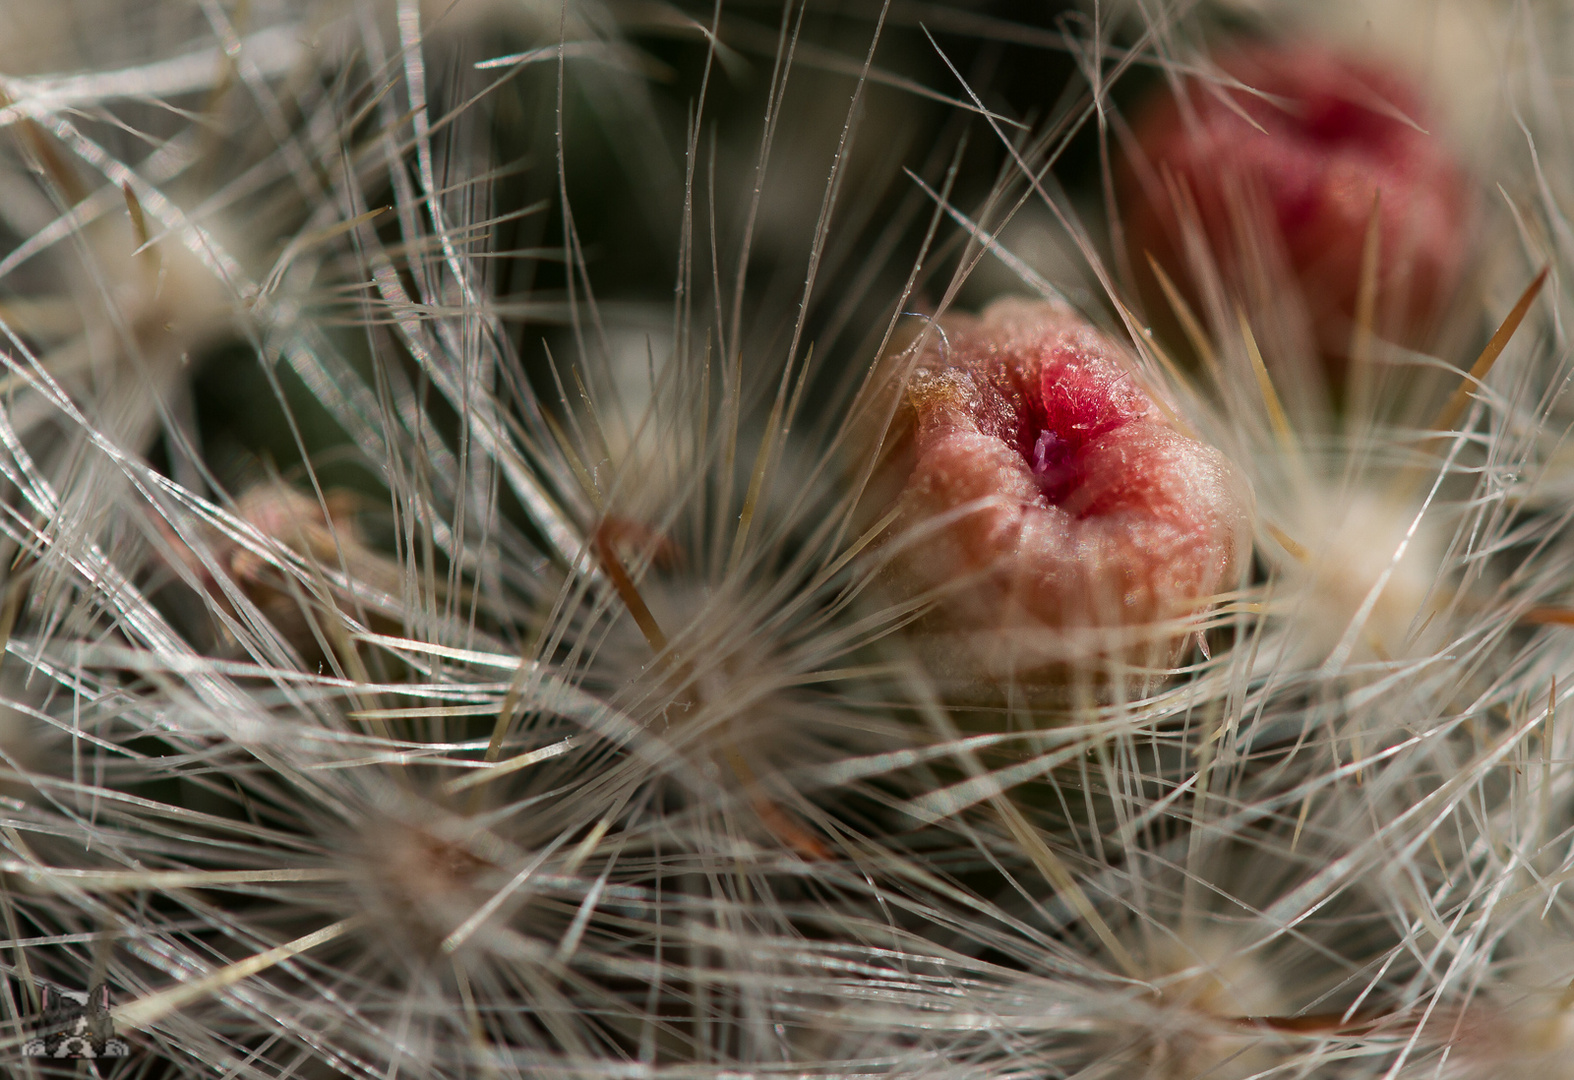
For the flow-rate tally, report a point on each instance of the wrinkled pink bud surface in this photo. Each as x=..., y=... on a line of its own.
x=1324, y=138
x=1044, y=491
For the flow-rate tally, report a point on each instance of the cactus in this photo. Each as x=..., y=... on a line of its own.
x=495, y=507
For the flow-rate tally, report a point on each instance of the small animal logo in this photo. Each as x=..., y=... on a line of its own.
x=75, y=1026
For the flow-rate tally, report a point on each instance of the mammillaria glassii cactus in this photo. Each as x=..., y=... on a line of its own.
x=458, y=621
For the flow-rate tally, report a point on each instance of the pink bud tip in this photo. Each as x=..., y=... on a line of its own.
x=1288, y=173
x=1055, y=514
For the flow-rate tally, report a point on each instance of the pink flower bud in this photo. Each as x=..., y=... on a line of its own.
x=291, y=522
x=1047, y=505
x=1285, y=176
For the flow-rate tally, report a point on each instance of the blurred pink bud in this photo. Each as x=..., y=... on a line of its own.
x=1282, y=176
